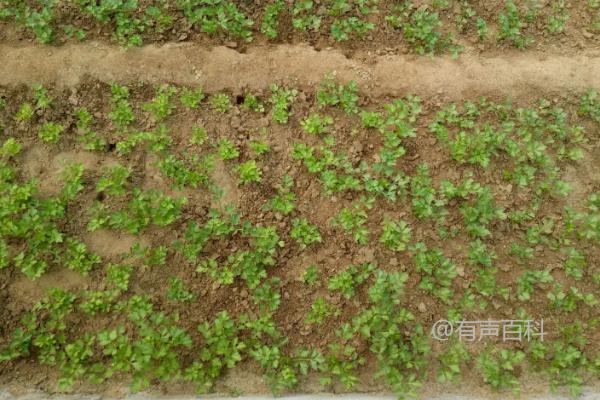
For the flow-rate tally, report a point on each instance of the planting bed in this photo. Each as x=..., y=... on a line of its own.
x=292, y=218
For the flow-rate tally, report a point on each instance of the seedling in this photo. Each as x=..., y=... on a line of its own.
x=25, y=112
x=511, y=26
x=191, y=98
x=50, y=132
x=227, y=150
x=316, y=125
x=281, y=99
x=304, y=233
x=283, y=201
x=220, y=102
x=319, y=311
x=311, y=275
x=177, y=291
x=113, y=180
x=498, y=368
x=395, y=235
x=160, y=107
x=249, y=172
x=199, y=135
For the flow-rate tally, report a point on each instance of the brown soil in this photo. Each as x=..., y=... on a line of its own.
x=220, y=68
x=579, y=33
x=337, y=251
x=78, y=74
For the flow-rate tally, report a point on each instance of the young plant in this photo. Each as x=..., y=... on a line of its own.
x=199, y=135
x=311, y=275
x=25, y=112
x=281, y=99
x=354, y=220
x=118, y=275
x=347, y=281
x=113, y=180
x=332, y=94
x=220, y=102
x=511, y=26
x=50, y=132
x=271, y=18
x=283, y=201
x=304, y=233
x=161, y=107
x=177, y=291
x=498, y=368
x=191, y=98
x=319, y=311
x=395, y=235
x=227, y=150
x=314, y=124
x=122, y=113
x=249, y=172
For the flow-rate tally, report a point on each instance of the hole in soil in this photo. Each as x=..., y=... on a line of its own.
x=239, y=99
x=112, y=146
x=100, y=196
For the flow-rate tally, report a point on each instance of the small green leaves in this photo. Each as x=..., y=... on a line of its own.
x=191, y=98
x=50, y=132
x=511, y=26
x=25, y=112
x=220, y=102
x=314, y=124
x=118, y=275
x=319, y=311
x=395, y=235
x=281, y=99
x=332, y=94
x=311, y=275
x=177, y=290
x=347, y=281
x=227, y=150
x=304, y=233
x=283, y=201
x=249, y=172
x=113, y=180
x=160, y=107
x=498, y=368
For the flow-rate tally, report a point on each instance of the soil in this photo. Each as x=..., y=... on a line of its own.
x=579, y=33
x=513, y=74
x=78, y=74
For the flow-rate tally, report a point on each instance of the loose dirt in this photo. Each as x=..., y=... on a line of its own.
x=218, y=68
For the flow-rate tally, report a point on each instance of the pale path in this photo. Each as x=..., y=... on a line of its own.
x=217, y=68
